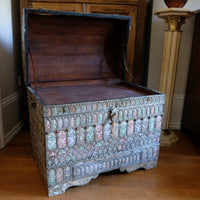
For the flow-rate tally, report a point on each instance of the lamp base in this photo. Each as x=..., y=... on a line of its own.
x=168, y=138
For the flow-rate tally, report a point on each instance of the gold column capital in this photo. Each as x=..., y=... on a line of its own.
x=174, y=17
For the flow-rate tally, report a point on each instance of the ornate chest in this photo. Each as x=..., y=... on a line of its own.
x=84, y=118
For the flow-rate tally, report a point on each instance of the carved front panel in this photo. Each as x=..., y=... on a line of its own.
x=86, y=139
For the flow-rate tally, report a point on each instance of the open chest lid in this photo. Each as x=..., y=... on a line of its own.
x=66, y=46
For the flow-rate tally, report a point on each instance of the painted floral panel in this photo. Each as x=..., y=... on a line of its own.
x=120, y=115
x=78, y=121
x=49, y=112
x=125, y=114
x=89, y=118
x=95, y=118
x=130, y=127
x=138, y=126
x=67, y=173
x=72, y=122
x=71, y=138
x=100, y=117
x=148, y=111
x=55, y=110
x=48, y=125
x=123, y=129
x=62, y=142
x=143, y=111
x=59, y=175
x=107, y=131
x=156, y=110
x=67, y=122
x=130, y=114
x=73, y=109
x=115, y=129
x=152, y=124
x=90, y=135
x=135, y=112
x=60, y=123
x=83, y=120
x=99, y=133
x=139, y=112
x=95, y=106
x=81, y=136
x=159, y=123
x=145, y=125
x=54, y=124
x=51, y=141
x=152, y=110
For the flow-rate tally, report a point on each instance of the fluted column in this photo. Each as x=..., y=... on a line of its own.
x=174, y=17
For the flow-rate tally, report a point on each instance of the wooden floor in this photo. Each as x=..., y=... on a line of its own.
x=177, y=176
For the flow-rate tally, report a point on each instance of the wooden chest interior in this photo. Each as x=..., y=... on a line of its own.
x=78, y=54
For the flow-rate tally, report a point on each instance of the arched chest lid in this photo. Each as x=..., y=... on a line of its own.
x=66, y=46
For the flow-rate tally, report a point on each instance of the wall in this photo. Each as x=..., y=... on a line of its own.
x=156, y=44
x=10, y=71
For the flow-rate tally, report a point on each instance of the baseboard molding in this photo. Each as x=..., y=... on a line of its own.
x=13, y=132
x=175, y=126
x=177, y=110
x=5, y=137
x=11, y=98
